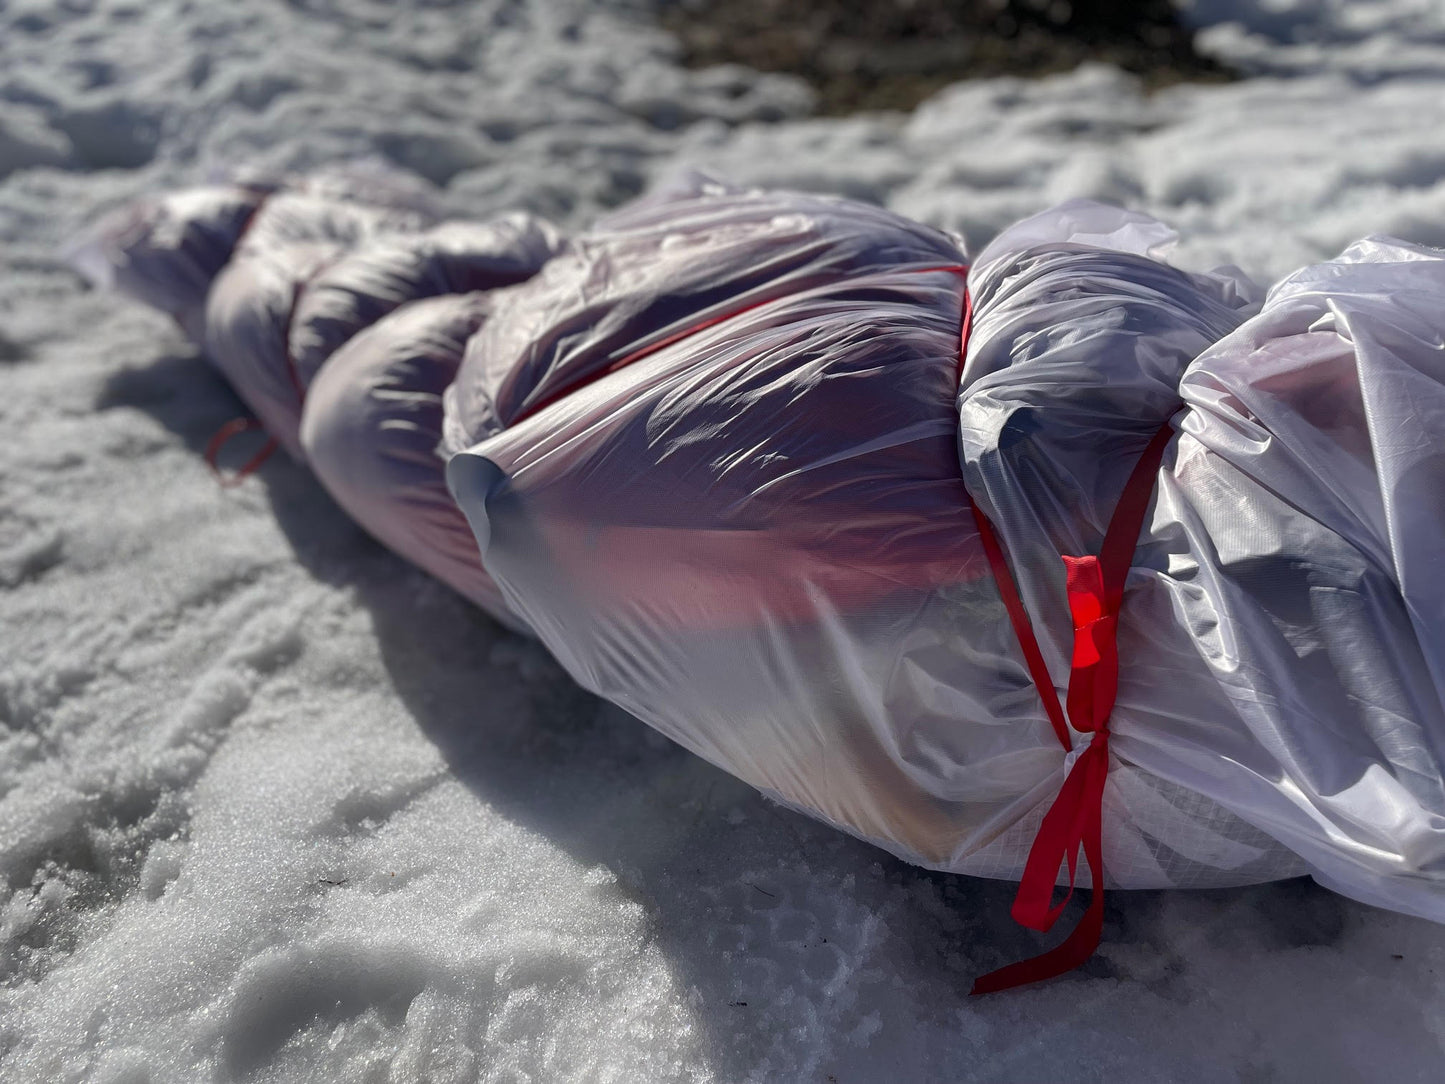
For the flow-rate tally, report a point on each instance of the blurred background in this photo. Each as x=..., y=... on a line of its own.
x=893, y=55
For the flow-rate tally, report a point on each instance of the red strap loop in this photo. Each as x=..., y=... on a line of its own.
x=1075, y=819
x=234, y=428
x=1094, y=674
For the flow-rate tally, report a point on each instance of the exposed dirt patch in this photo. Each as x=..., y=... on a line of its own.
x=891, y=54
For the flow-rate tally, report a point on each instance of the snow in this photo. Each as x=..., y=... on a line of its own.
x=274, y=806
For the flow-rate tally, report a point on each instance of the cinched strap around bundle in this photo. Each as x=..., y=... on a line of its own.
x=1096, y=592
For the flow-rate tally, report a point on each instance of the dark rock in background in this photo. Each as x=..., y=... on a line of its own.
x=891, y=54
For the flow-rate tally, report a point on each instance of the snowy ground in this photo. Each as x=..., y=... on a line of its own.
x=275, y=807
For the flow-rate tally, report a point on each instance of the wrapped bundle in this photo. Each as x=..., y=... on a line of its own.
x=278, y=283
x=166, y=251
x=312, y=270
x=785, y=478
x=756, y=535
x=755, y=523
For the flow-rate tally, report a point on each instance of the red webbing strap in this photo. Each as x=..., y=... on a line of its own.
x=1095, y=588
x=1017, y=615
x=235, y=427
x=1023, y=630
x=1075, y=820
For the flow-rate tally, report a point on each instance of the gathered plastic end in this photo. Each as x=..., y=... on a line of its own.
x=88, y=257
x=234, y=428
x=472, y=480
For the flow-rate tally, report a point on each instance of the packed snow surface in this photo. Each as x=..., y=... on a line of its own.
x=275, y=806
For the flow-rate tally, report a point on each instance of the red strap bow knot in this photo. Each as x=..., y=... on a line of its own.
x=1075, y=821
x=1094, y=678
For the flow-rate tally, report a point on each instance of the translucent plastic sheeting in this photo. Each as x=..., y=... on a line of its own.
x=283, y=283
x=1283, y=641
x=166, y=251
x=719, y=455
x=756, y=535
x=758, y=539
x=310, y=270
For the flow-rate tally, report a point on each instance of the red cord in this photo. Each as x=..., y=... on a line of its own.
x=233, y=428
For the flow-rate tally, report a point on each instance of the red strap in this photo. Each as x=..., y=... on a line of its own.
x=233, y=428
x=964, y=333
x=1023, y=630
x=1075, y=820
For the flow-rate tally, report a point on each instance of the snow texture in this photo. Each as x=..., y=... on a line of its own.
x=274, y=806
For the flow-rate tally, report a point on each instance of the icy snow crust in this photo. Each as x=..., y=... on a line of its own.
x=274, y=806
